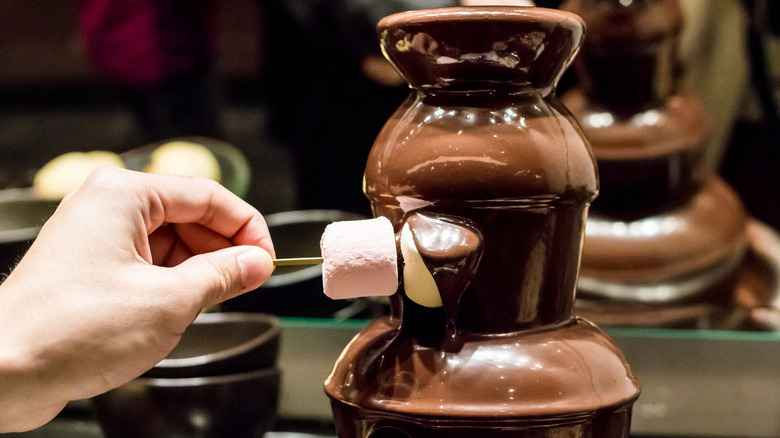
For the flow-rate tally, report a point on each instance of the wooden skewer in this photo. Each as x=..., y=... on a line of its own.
x=298, y=261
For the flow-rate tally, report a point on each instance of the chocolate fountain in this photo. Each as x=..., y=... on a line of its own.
x=665, y=234
x=487, y=179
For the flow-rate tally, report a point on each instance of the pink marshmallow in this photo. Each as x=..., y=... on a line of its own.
x=359, y=259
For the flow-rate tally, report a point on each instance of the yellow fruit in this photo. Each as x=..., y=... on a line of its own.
x=67, y=172
x=419, y=284
x=184, y=158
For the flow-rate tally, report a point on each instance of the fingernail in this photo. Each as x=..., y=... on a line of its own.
x=256, y=266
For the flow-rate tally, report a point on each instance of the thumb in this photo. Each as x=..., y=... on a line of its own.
x=220, y=275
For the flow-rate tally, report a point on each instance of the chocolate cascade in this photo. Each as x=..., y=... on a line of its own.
x=487, y=179
x=664, y=230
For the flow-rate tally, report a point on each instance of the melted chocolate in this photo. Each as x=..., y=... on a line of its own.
x=569, y=379
x=451, y=249
x=483, y=151
x=521, y=174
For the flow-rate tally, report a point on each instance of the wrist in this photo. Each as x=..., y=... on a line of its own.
x=26, y=401
x=23, y=405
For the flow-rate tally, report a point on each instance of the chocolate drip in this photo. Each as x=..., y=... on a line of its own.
x=451, y=249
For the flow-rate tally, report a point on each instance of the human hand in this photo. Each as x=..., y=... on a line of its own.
x=116, y=275
x=497, y=3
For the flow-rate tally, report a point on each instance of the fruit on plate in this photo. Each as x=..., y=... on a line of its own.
x=184, y=158
x=68, y=171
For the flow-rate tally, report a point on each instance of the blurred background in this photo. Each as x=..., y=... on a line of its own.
x=300, y=88
x=53, y=101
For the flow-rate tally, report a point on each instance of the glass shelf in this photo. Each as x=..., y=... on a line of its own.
x=704, y=383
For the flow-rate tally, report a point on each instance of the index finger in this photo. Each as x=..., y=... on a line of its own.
x=175, y=199
x=206, y=202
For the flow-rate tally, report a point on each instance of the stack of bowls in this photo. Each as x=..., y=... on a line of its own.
x=221, y=380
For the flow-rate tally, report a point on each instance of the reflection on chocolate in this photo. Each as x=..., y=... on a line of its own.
x=521, y=174
x=445, y=239
x=482, y=150
x=509, y=49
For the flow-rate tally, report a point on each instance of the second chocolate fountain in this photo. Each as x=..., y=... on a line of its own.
x=665, y=235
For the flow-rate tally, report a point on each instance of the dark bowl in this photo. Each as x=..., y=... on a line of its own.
x=21, y=217
x=295, y=290
x=233, y=405
x=221, y=344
